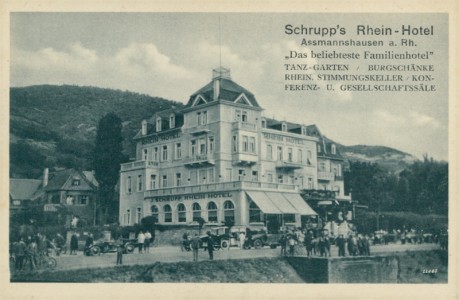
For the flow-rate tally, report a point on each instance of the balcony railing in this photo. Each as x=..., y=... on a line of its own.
x=321, y=175
x=288, y=165
x=200, y=160
x=139, y=165
x=245, y=126
x=219, y=186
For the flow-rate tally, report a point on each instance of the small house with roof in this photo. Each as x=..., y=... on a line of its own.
x=69, y=192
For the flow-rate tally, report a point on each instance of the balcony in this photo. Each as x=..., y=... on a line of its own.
x=142, y=164
x=288, y=165
x=220, y=186
x=199, y=130
x=244, y=159
x=201, y=160
x=329, y=176
x=245, y=126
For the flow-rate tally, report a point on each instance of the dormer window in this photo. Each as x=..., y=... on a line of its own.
x=284, y=126
x=76, y=182
x=158, y=124
x=333, y=149
x=172, y=121
x=263, y=123
x=303, y=130
x=144, y=127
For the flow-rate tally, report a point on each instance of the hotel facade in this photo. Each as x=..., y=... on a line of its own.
x=219, y=159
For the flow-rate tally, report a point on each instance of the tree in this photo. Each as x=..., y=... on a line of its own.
x=106, y=162
x=201, y=223
x=149, y=223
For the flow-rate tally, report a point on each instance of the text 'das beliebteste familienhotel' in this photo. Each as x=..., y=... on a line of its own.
x=360, y=58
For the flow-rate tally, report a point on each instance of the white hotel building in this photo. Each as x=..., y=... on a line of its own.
x=218, y=158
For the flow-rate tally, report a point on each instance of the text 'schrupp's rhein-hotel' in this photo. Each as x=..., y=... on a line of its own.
x=218, y=158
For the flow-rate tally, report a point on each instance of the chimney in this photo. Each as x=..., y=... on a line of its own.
x=45, y=177
x=216, y=88
x=217, y=75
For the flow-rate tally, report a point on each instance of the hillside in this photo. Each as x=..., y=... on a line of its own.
x=389, y=159
x=55, y=126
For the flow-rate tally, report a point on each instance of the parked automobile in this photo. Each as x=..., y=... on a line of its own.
x=220, y=237
x=101, y=246
x=262, y=238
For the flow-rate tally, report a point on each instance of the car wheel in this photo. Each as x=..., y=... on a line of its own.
x=129, y=248
x=51, y=263
x=95, y=250
x=257, y=244
x=273, y=246
x=224, y=244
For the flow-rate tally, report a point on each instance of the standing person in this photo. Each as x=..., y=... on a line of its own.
x=73, y=243
x=146, y=247
x=361, y=245
x=351, y=246
x=341, y=243
x=19, y=253
x=31, y=253
x=210, y=245
x=140, y=240
x=119, y=251
x=241, y=240
x=195, y=241
x=321, y=245
x=366, y=243
x=308, y=244
x=283, y=244
x=327, y=246
x=291, y=245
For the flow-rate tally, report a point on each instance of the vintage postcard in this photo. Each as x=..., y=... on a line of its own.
x=228, y=150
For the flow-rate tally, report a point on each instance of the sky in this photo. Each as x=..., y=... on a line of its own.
x=171, y=55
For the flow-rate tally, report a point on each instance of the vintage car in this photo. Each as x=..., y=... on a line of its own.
x=102, y=246
x=220, y=237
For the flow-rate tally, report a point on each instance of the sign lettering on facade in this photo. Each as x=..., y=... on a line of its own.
x=280, y=138
x=161, y=138
x=210, y=195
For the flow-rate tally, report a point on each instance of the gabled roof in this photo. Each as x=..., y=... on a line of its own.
x=91, y=176
x=23, y=189
x=229, y=91
x=63, y=180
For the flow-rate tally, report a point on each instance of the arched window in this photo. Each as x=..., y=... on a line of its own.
x=228, y=211
x=212, y=212
x=196, y=211
x=155, y=212
x=167, y=213
x=181, y=209
x=254, y=213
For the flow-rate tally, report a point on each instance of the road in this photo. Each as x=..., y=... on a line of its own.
x=174, y=254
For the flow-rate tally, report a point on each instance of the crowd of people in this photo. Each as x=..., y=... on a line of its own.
x=320, y=244
x=32, y=249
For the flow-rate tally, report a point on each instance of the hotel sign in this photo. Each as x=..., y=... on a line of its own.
x=281, y=138
x=196, y=196
x=160, y=138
